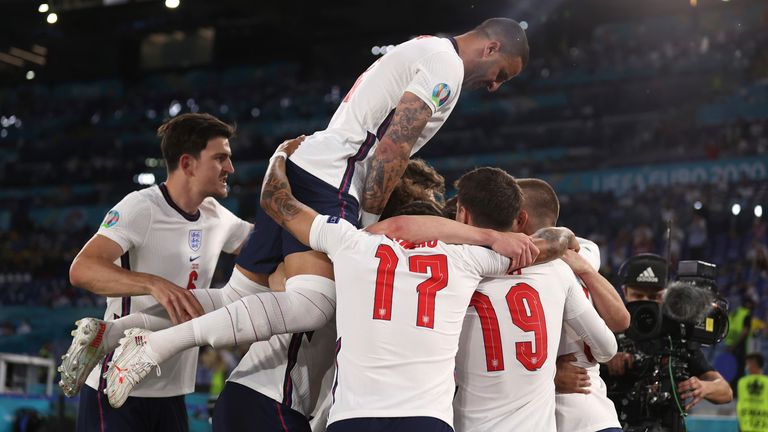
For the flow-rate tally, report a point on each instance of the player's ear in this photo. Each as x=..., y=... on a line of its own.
x=461, y=214
x=491, y=47
x=187, y=164
x=521, y=221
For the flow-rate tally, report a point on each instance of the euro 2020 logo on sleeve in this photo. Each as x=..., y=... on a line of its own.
x=111, y=219
x=195, y=239
x=440, y=94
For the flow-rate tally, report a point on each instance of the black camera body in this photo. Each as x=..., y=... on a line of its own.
x=662, y=339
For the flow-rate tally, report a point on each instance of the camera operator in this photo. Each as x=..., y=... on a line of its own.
x=643, y=277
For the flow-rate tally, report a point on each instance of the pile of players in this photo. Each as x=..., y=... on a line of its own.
x=417, y=322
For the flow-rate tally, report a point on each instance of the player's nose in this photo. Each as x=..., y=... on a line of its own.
x=229, y=166
x=492, y=87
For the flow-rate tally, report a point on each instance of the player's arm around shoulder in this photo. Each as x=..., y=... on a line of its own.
x=607, y=300
x=552, y=243
x=278, y=201
x=391, y=156
x=419, y=229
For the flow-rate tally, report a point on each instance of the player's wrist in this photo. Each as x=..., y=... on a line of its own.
x=278, y=154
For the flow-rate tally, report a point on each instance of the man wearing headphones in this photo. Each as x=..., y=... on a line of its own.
x=644, y=277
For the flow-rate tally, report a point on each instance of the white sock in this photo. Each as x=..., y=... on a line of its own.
x=308, y=303
x=171, y=341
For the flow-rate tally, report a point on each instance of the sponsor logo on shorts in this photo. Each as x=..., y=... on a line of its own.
x=333, y=219
x=111, y=220
x=440, y=94
x=195, y=239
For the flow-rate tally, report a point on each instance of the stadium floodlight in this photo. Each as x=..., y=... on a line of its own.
x=172, y=4
x=52, y=18
x=30, y=75
x=43, y=8
x=145, y=179
x=174, y=108
x=376, y=50
x=697, y=205
x=524, y=25
x=736, y=209
x=758, y=211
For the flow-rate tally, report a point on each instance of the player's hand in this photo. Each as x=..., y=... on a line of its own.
x=618, y=365
x=517, y=247
x=290, y=146
x=570, y=378
x=576, y=262
x=180, y=303
x=693, y=389
x=573, y=244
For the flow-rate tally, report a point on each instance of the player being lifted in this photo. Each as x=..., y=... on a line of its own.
x=403, y=346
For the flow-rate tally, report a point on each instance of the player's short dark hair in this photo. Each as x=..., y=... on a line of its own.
x=419, y=208
x=540, y=201
x=420, y=182
x=491, y=196
x=189, y=134
x=757, y=358
x=510, y=34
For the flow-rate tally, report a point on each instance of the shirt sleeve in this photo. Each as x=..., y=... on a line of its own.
x=127, y=223
x=592, y=329
x=330, y=234
x=487, y=262
x=575, y=300
x=437, y=80
x=238, y=229
x=590, y=252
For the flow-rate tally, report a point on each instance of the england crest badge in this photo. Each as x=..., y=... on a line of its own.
x=195, y=239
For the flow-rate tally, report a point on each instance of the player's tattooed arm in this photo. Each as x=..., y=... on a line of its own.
x=278, y=201
x=553, y=242
x=391, y=156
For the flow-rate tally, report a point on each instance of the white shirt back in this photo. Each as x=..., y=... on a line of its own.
x=160, y=239
x=400, y=309
x=585, y=412
x=506, y=362
x=428, y=67
x=298, y=362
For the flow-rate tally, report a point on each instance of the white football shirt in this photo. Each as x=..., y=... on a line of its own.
x=400, y=309
x=585, y=412
x=506, y=362
x=159, y=238
x=428, y=67
x=290, y=368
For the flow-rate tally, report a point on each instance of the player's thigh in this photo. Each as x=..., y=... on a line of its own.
x=95, y=414
x=263, y=249
x=168, y=414
x=308, y=262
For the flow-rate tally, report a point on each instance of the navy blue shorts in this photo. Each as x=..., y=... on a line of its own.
x=242, y=409
x=390, y=424
x=269, y=243
x=139, y=414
